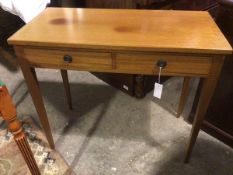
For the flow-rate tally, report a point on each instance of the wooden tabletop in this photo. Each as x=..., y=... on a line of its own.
x=141, y=30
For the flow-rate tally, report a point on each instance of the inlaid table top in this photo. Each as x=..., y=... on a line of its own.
x=143, y=30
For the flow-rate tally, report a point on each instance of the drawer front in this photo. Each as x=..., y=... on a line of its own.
x=176, y=64
x=80, y=60
x=132, y=63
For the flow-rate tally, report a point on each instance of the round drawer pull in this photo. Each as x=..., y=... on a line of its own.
x=162, y=64
x=67, y=58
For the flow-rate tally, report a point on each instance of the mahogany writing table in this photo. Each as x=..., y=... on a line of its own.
x=122, y=41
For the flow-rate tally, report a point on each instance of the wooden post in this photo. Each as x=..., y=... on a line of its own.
x=8, y=112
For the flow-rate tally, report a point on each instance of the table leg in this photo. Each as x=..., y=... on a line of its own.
x=184, y=95
x=34, y=89
x=8, y=113
x=66, y=84
x=207, y=91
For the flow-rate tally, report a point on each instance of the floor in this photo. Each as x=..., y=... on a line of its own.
x=111, y=133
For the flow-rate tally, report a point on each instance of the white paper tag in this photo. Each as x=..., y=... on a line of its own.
x=158, y=89
x=125, y=87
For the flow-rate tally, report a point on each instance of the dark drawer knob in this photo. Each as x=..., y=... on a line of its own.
x=161, y=63
x=67, y=58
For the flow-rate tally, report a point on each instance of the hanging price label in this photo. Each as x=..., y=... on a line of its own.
x=158, y=88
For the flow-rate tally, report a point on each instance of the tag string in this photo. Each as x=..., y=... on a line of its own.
x=160, y=69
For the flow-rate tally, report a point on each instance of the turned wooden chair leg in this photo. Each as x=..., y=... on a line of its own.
x=184, y=95
x=65, y=79
x=8, y=112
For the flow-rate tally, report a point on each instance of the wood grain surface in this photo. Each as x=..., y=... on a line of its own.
x=144, y=30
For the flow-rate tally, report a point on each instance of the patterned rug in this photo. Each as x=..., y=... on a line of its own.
x=12, y=162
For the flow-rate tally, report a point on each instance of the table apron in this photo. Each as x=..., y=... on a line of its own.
x=119, y=62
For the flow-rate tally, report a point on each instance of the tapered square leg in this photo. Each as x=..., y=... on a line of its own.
x=64, y=75
x=207, y=91
x=34, y=89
